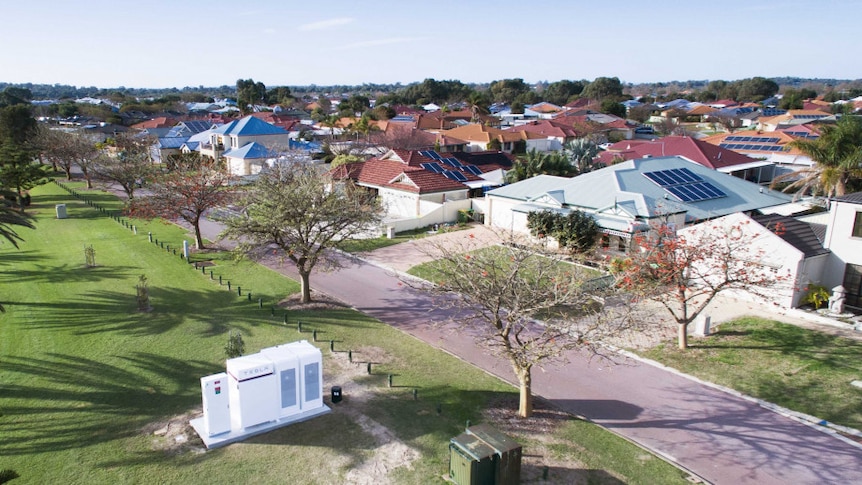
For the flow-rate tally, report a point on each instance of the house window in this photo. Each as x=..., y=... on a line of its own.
x=621, y=244
x=853, y=284
x=857, y=225
x=606, y=241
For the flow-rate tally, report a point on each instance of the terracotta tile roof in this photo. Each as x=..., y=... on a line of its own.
x=545, y=107
x=783, y=140
x=160, y=122
x=726, y=103
x=402, y=170
x=700, y=152
x=581, y=103
x=547, y=128
x=484, y=134
x=702, y=110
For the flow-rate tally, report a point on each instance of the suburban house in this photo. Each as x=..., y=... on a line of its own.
x=844, y=239
x=709, y=155
x=542, y=111
x=770, y=146
x=628, y=197
x=178, y=135
x=248, y=159
x=555, y=134
x=791, y=118
x=421, y=188
x=482, y=137
x=241, y=132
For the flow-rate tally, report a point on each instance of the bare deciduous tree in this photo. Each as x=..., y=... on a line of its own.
x=520, y=302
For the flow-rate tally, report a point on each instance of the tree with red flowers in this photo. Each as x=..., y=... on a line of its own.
x=684, y=272
x=185, y=195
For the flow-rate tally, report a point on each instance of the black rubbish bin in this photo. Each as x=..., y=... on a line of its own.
x=336, y=394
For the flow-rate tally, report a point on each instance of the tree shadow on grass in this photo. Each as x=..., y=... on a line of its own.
x=114, y=311
x=67, y=273
x=62, y=401
x=15, y=257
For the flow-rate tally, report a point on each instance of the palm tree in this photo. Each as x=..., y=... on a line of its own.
x=837, y=157
x=540, y=163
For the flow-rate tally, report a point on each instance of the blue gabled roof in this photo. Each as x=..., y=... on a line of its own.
x=171, y=142
x=249, y=126
x=250, y=151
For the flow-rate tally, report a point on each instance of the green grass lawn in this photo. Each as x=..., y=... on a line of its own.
x=366, y=245
x=799, y=369
x=428, y=272
x=85, y=378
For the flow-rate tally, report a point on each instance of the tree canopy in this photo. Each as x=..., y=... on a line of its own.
x=304, y=213
x=522, y=303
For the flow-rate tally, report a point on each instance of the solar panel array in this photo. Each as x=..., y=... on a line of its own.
x=453, y=175
x=773, y=111
x=802, y=134
x=452, y=161
x=743, y=146
x=431, y=154
x=433, y=167
x=685, y=185
x=809, y=117
x=473, y=169
x=753, y=139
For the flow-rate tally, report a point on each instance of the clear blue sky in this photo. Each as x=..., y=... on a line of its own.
x=177, y=43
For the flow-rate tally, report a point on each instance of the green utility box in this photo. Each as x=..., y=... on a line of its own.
x=484, y=456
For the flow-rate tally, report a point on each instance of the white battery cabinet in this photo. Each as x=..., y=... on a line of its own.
x=288, y=371
x=253, y=390
x=216, y=404
x=261, y=392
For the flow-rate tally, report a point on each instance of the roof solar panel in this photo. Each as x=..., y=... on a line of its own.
x=426, y=154
x=473, y=169
x=458, y=176
x=435, y=155
x=432, y=167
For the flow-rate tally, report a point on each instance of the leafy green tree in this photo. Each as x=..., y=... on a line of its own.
x=345, y=159
x=611, y=107
x=603, y=87
x=248, y=94
x=18, y=150
x=576, y=231
x=837, y=156
x=756, y=89
x=507, y=90
x=561, y=92
x=124, y=160
x=300, y=210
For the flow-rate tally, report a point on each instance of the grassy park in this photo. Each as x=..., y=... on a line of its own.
x=92, y=390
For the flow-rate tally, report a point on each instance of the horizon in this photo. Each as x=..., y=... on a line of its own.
x=105, y=44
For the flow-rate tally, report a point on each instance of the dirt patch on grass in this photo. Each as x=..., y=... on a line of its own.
x=319, y=301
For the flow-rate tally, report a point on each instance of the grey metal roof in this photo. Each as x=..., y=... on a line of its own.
x=797, y=233
x=854, y=198
x=623, y=187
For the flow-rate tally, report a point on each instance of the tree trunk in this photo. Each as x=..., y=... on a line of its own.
x=199, y=240
x=525, y=381
x=682, y=330
x=306, y=286
x=68, y=173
